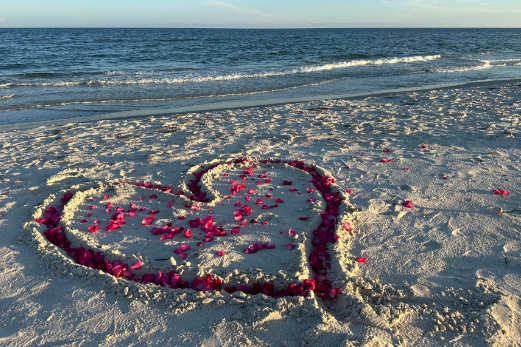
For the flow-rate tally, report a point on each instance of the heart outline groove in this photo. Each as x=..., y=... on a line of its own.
x=51, y=235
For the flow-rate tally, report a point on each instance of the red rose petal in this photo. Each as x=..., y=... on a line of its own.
x=347, y=226
x=137, y=265
x=148, y=220
x=408, y=204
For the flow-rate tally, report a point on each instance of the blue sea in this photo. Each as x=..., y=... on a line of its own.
x=77, y=74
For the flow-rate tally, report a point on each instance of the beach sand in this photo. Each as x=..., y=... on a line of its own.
x=442, y=269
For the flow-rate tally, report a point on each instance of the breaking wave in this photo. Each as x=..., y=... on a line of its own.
x=485, y=65
x=227, y=77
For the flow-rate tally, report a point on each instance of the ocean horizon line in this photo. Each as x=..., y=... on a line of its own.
x=261, y=28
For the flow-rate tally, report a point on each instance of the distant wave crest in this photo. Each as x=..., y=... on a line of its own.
x=485, y=65
x=5, y=97
x=482, y=65
x=362, y=62
x=227, y=77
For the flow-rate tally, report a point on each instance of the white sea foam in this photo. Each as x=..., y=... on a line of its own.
x=5, y=97
x=486, y=64
x=362, y=62
x=511, y=61
x=233, y=76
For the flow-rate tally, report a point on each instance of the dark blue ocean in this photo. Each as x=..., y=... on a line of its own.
x=50, y=74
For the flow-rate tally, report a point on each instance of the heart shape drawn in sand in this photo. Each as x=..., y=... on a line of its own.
x=252, y=226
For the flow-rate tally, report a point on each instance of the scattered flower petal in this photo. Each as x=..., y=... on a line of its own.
x=501, y=192
x=148, y=220
x=347, y=226
x=112, y=226
x=408, y=204
x=137, y=265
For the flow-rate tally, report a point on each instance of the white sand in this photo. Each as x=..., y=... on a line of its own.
x=446, y=271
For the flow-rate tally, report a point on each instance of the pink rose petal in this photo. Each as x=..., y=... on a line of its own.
x=148, y=220
x=501, y=192
x=408, y=204
x=347, y=226
x=137, y=265
x=112, y=226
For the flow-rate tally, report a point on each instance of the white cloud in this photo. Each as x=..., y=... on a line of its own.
x=242, y=10
x=223, y=4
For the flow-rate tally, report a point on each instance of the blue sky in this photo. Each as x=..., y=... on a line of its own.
x=260, y=13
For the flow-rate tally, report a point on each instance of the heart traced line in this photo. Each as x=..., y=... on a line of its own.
x=319, y=258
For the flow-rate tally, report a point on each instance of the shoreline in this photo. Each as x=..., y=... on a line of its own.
x=227, y=105
x=433, y=257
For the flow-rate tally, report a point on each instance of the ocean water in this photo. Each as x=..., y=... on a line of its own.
x=65, y=74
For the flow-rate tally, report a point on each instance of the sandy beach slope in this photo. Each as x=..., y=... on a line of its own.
x=431, y=186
